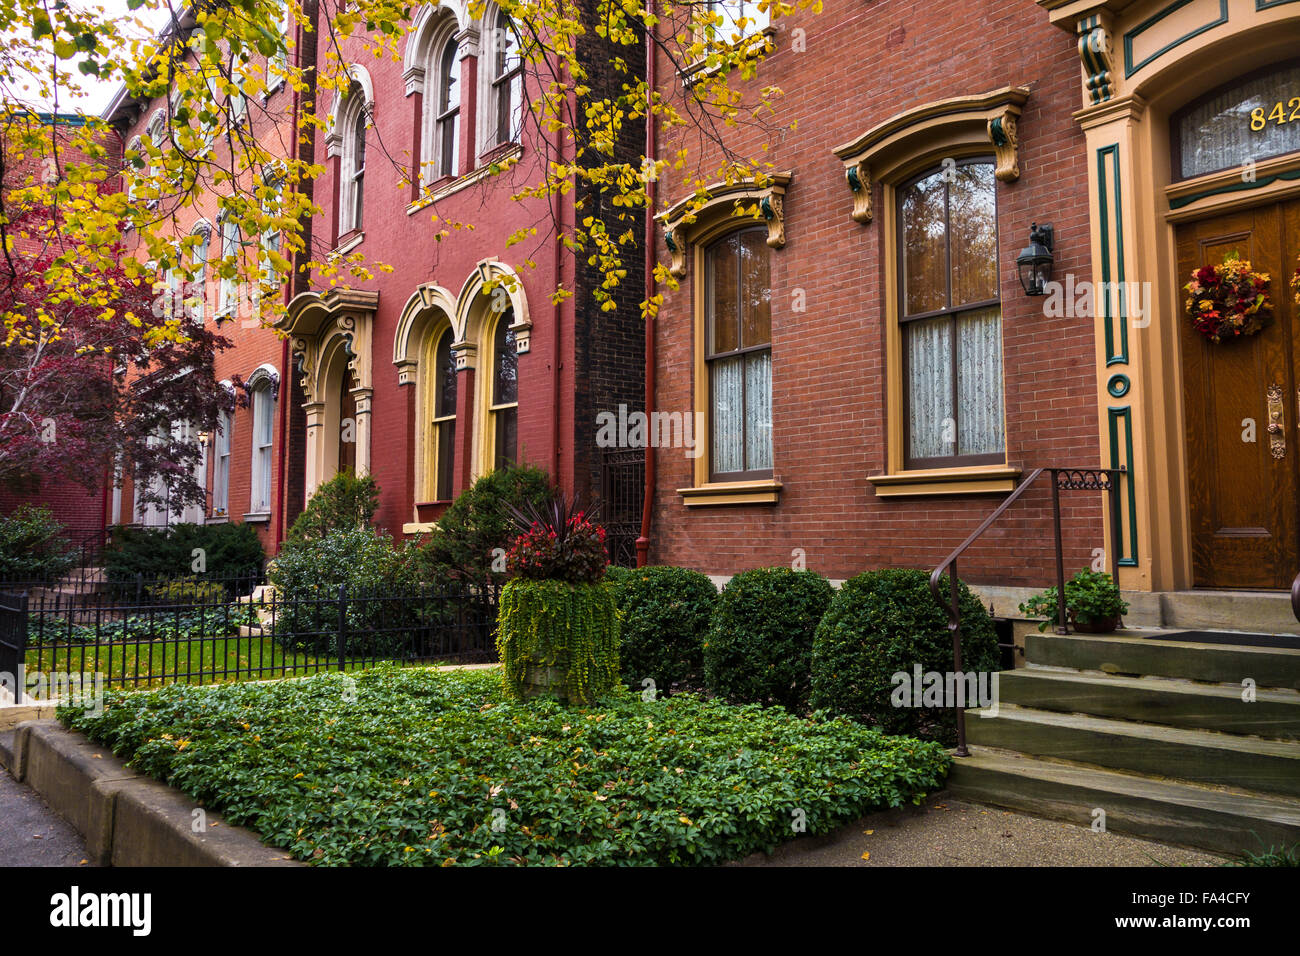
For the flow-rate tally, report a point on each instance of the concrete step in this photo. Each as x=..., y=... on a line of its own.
x=1156, y=657
x=1155, y=700
x=1200, y=756
x=1228, y=821
x=1265, y=611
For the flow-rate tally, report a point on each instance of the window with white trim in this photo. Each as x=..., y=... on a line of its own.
x=278, y=63
x=198, y=299
x=443, y=109
x=231, y=241
x=221, y=465
x=263, y=403
x=354, y=119
x=505, y=74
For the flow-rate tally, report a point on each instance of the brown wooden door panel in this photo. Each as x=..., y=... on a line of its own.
x=1243, y=499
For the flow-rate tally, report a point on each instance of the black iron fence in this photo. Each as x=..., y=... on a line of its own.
x=13, y=641
x=213, y=638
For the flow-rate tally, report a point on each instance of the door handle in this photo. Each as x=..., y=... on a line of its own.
x=1276, y=427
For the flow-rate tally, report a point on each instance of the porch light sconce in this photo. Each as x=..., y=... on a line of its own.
x=1035, y=261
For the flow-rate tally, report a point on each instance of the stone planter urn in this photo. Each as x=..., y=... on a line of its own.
x=558, y=640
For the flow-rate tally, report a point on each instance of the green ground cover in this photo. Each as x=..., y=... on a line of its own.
x=415, y=767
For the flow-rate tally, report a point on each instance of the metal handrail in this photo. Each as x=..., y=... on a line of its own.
x=1063, y=479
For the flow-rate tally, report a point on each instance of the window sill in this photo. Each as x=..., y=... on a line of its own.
x=347, y=242
x=222, y=518
x=258, y=517
x=694, y=72
x=448, y=186
x=983, y=479
x=419, y=527
x=765, y=492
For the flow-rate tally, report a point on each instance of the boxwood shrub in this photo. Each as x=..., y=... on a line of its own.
x=665, y=613
x=885, y=622
x=759, y=645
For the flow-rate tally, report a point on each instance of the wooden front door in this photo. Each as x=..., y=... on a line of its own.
x=1244, y=493
x=347, y=425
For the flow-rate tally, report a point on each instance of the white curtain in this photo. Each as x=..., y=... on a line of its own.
x=931, y=424
x=758, y=411
x=979, y=382
x=727, y=383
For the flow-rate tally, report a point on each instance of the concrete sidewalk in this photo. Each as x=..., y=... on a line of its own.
x=31, y=834
x=944, y=832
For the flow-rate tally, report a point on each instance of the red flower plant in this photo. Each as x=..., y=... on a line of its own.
x=558, y=542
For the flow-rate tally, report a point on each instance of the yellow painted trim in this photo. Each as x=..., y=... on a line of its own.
x=701, y=240
x=732, y=493
x=418, y=527
x=426, y=449
x=946, y=481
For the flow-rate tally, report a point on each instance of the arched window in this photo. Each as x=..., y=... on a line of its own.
x=231, y=243
x=505, y=100
x=221, y=465
x=503, y=412
x=197, y=298
x=349, y=138
x=262, y=385
x=440, y=444
x=738, y=354
x=951, y=317
x=446, y=113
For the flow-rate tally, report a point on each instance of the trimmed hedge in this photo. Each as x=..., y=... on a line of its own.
x=665, y=612
x=230, y=550
x=885, y=622
x=759, y=645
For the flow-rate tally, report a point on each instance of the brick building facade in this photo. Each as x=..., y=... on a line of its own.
x=930, y=141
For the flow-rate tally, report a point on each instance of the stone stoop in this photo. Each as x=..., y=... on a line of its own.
x=1150, y=730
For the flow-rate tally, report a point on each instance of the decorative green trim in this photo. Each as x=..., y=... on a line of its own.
x=1130, y=67
x=1094, y=51
x=855, y=181
x=1118, y=385
x=997, y=133
x=1114, y=415
x=1237, y=185
x=1265, y=4
x=1114, y=356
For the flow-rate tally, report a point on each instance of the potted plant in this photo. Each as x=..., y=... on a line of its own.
x=1092, y=602
x=557, y=625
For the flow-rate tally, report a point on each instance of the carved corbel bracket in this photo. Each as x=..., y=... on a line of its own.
x=690, y=217
x=1095, y=55
x=859, y=179
x=1005, y=138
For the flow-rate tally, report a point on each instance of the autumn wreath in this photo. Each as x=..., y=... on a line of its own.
x=1228, y=300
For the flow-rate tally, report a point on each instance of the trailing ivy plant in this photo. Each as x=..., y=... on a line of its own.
x=560, y=624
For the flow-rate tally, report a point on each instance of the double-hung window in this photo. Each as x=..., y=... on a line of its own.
x=738, y=355
x=951, y=318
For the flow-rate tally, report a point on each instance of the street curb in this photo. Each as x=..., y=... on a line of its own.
x=127, y=819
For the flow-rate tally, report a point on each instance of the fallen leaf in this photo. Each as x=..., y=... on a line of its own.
x=866, y=855
x=868, y=832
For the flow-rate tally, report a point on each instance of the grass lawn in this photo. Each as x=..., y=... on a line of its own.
x=417, y=767
x=144, y=663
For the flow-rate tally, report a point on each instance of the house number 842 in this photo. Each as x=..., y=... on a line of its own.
x=1277, y=116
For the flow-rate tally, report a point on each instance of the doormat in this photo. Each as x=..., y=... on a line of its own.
x=1230, y=637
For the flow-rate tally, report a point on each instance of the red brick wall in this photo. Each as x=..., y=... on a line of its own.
x=865, y=62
